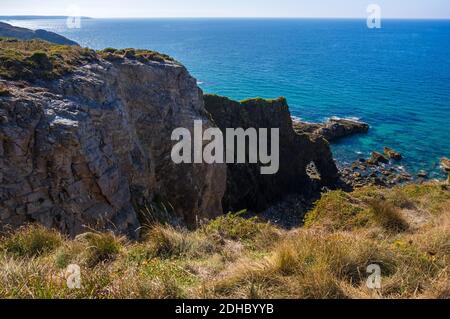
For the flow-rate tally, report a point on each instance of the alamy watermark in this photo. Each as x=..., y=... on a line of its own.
x=374, y=279
x=374, y=18
x=73, y=276
x=73, y=17
x=231, y=150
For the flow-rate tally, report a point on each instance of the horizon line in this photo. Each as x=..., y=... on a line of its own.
x=220, y=17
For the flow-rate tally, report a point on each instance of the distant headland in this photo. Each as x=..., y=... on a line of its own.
x=26, y=17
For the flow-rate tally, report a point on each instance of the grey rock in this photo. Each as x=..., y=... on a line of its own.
x=89, y=150
x=333, y=129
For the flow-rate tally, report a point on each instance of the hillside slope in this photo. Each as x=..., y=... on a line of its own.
x=9, y=31
x=405, y=231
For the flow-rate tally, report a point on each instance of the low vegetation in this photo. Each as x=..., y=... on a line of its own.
x=405, y=231
x=37, y=59
x=143, y=56
x=40, y=60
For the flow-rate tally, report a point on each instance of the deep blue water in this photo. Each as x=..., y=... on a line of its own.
x=396, y=78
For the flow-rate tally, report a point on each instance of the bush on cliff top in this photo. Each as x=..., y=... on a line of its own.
x=143, y=56
x=31, y=241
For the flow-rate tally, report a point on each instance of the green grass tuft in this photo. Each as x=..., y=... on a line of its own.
x=31, y=241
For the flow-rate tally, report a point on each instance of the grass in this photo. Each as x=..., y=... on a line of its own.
x=263, y=101
x=388, y=215
x=405, y=230
x=36, y=59
x=40, y=60
x=31, y=241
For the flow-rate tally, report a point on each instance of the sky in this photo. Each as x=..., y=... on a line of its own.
x=436, y=9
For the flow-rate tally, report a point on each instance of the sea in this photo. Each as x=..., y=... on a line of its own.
x=396, y=78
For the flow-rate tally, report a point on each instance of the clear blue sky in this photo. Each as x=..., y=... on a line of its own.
x=229, y=8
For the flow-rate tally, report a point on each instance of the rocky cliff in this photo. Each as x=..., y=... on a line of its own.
x=90, y=145
x=85, y=141
x=299, y=155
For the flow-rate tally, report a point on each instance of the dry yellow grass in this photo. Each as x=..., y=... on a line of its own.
x=406, y=231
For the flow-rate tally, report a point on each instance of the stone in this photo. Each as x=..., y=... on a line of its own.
x=333, y=129
x=422, y=174
x=392, y=154
x=445, y=164
x=377, y=159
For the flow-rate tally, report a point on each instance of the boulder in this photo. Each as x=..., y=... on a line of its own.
x=377, y=159
x=445, y=164
x=392, y=154
x=422, y=174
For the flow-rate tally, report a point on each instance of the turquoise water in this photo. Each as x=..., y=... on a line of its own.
x=396, y=78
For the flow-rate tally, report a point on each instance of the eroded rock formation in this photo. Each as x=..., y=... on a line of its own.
x=246, y=187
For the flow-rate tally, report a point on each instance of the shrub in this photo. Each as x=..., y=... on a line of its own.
x=32, y=241
x=337, y=210
x=36, y=59
x=102, y=247
x=235, y=227
x=168, y=242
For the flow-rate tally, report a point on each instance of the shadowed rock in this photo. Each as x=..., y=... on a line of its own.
x=246, y=187
x=377, y=159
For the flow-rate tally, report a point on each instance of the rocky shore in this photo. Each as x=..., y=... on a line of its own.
x=374, y=171
x=381, y=169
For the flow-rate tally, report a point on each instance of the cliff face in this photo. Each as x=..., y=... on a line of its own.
x=333, y=129
x=90, y=148
x=246, y=187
